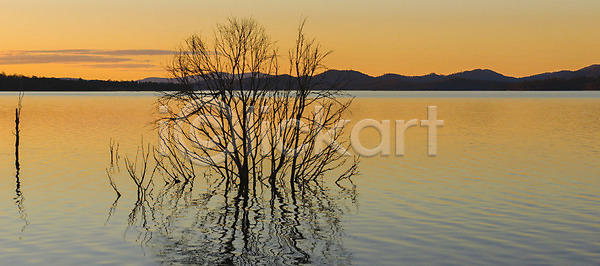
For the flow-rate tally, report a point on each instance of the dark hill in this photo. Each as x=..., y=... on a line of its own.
x=587, y=78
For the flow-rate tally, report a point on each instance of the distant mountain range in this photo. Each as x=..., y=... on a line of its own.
x=587, y=78
x=477, y=79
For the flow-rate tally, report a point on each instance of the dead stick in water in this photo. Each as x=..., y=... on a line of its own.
x=17, y=132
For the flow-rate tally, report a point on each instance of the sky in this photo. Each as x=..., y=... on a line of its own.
x=133, y=39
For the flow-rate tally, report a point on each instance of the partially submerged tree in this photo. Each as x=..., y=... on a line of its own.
x=253, y=127
x=248, y=121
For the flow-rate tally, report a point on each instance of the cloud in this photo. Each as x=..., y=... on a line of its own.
x=87, y=57
x=130, y=65
x=137, y=52
x=104, y=52
x=19, y=58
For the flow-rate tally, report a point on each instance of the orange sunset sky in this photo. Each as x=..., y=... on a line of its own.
x=129, y=40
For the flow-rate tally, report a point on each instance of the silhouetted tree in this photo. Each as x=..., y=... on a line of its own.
x=248, y=122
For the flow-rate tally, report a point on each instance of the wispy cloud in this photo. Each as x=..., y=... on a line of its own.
x=85, y=57
x=103, y=52
x=20, y=58
x=129, y=65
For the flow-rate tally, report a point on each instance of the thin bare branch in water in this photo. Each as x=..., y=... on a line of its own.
x=114, y=165
x=17, y=132
x=111, y=181
x=114, y=153
x=350, y=172
x=139, y=173
x=174, y=166
x=19, y=198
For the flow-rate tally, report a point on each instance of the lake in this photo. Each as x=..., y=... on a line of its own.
x=515, y=181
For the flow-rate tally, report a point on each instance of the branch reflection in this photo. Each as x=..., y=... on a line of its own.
x=226, y=226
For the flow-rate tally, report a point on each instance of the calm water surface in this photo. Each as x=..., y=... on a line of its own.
x=516, y=181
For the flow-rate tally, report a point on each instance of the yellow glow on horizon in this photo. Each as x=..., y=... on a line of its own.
x=515, y=38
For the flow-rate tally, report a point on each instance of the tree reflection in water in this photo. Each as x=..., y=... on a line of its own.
x=222, y=226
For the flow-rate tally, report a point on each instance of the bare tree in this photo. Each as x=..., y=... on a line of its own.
x=256, y=129
x=249, y=122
